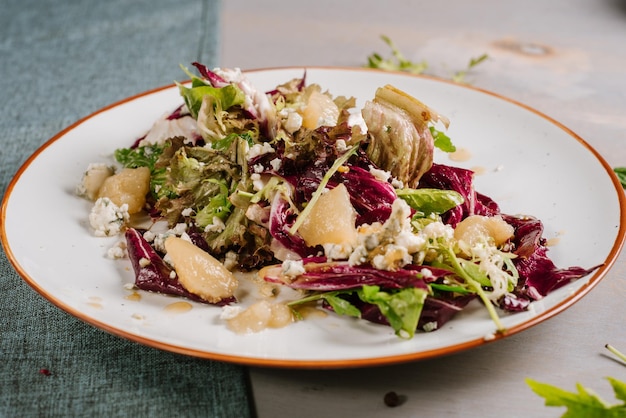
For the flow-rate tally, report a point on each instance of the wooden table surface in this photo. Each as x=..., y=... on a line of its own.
x=564, y=58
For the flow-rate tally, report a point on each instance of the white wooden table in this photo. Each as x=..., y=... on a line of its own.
x=565, y=58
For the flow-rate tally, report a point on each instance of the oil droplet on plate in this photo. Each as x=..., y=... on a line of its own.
x=135, y=297
x=461, y=154
x=178, y=307
x=551, y=242
x=479, y=170
x=94, y=302
x=311, y=312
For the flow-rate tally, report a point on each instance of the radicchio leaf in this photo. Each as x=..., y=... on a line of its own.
x=539, y=275
x=445, y=177
x=341, y=276
x=152, y=273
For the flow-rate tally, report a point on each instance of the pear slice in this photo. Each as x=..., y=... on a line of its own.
x=199, y=272
x=331, y=220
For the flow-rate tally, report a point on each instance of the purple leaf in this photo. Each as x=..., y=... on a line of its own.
x=152, y=273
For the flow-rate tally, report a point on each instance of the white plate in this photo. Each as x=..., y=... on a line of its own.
x=532, y=165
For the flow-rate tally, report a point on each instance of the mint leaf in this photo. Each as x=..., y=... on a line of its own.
x=584, y=403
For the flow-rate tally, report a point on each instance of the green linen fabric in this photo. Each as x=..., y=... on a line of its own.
x=59, y=62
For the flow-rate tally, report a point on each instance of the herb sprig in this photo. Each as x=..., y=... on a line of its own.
x=398, y=62
x=584, y=403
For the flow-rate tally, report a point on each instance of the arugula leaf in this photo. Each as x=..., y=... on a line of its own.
x=584, y=403
x=402, y=308
x=442, y=141
x=621, y=175
x=459, y=76
x=398, y=62
x=429, y=201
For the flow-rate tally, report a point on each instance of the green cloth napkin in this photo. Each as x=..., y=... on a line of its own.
x=61, y=61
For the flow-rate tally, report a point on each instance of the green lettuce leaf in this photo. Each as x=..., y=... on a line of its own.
x=429, y=201
x=226, y=97
x=402, y=308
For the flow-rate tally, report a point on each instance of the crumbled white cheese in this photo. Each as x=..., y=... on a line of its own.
x=292, y=268
x=381, y=175
x=398, y=184
x=230, y=312
x=275, y=163
x=216, y=226
x=258, y=168
x=337, y=251
x=108, y=219
x=293, y=122
x=430, y=326
x=341, y=145
x=230, y=260
x=426, y=273
x=117, y=251
x=356, y=119
x=149, y=236
x=187, y=212
x=259, y=149
x=394, y=256
x=158, y=239
x=258, y=181
x=93, y=178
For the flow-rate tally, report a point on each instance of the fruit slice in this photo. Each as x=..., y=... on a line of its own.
x=199, y=272
x=320, y=110
x=129, y=186
x=331, y=220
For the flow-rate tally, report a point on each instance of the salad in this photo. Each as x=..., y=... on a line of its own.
x=319, y=205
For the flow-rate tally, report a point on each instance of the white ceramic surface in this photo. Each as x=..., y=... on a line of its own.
x=530, y=165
